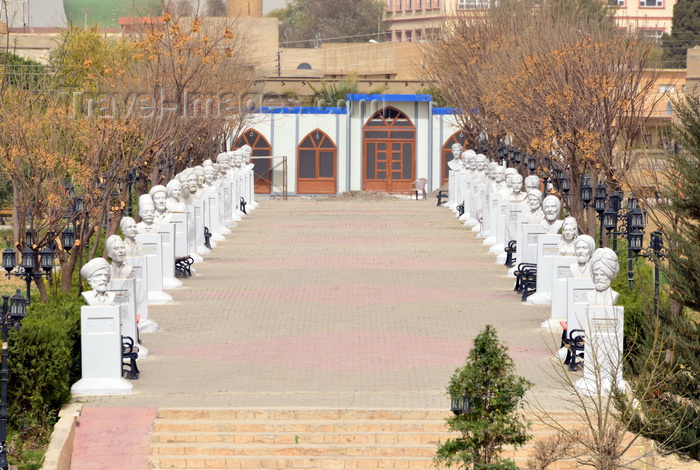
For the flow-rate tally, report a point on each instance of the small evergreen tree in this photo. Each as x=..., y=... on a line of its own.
x=495, y=393
x=682, y=397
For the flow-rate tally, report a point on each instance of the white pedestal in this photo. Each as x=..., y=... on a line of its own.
x=101, y=353
x=474, y=206
x=126, y=300
x=167, y=256
x=577, y=290
x=500, y=222
x=561, y=270
x=485, y=214
x=512, y=226
x=221, y=195
x=192, y=235
x=527, y=245
x=547, y=249
x=151, y=250
x=250, y=184
x=179, y=221
x=199, y=229
x=213, y=209
x=602, y=364
x=140, y=276
x=494, y=203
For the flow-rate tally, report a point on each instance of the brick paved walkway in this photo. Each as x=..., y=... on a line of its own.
x=336, y=303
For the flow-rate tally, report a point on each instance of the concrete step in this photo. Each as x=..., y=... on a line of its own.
x=251, y=438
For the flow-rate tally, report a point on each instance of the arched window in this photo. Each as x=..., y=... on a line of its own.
x=261, y=148
x=316, y=164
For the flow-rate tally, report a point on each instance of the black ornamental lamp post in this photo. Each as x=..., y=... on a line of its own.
x=632, y=227
x=13, y=312
x=28, y=269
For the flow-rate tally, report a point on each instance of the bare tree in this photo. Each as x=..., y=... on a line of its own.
x=561, y=83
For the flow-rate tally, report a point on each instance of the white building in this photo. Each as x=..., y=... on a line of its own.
x=374, y=142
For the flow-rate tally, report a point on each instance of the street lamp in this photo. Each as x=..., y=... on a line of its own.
x=461, y=405
x=13, y=312
x=599, y=201
x=632, y=227
x=28, y=269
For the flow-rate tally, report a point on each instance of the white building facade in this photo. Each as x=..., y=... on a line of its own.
x=374, y=142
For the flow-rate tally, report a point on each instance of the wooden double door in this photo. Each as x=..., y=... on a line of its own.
x=389, y=148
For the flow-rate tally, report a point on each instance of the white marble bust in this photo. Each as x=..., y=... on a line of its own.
x=479, y=173
x=174, y=202
x=247, y=153
x=159, y=195
x=187, y=178
x=208, y=169
x=532, y=182
x=516, y=186
x=147, y=213
x=583, y=249
x=116, y=250
x=97, y=273
x=499, y=182
x=534, y=214
x=456, y=162
x=569, y=232
x=551, y=206
x=604, y=268
x=223, y=160
x=128, y=226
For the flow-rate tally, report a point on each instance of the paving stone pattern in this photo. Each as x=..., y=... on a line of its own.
x=330, y=303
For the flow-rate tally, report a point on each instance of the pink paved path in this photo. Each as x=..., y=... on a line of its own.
x=321, y=303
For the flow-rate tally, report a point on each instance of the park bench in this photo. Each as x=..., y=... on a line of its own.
x=130, y=352
x=242, y=205
x=510, y=250
x=460, y=210
x=574, y=342
x=207, y=236
x=182, y=266
x=525, y=280
x=442, y=194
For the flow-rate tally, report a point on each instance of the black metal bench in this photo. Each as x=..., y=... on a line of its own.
x=460, y=210
x=510, y=250
x=207, y=236
x=242, y=205
x=442, y=194
x=526, y=280
x=130, y=352
x=574, y=343
x=182, y=266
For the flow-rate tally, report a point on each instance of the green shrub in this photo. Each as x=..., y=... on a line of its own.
x=44, y=360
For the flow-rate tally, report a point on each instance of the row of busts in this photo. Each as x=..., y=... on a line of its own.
x=507, y=183
x=154, y=209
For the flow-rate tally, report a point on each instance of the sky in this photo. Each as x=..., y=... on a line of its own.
x=50, y=12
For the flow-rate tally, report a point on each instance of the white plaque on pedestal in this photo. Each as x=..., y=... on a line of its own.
x=527, y=246
x=500, y=222
x=213, y=210
x=577, y=290
x=602, y=365
x=151, y=250
x=179, y=221
x=101, y=352
x=561, y=273
x=547, y=249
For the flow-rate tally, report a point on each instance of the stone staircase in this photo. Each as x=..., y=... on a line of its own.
x=218, y=438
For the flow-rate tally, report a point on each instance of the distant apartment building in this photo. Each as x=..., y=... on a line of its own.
x=416, y=20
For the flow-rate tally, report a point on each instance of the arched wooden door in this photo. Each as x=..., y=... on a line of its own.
x=456, y=138
x=389, y=143
x=316, y=164
x=261, y=148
